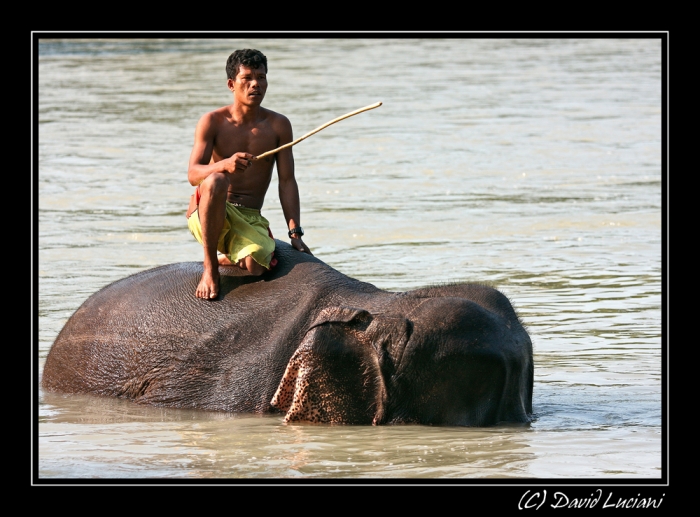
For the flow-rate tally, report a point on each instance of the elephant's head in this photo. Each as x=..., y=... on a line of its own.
x=448, y=361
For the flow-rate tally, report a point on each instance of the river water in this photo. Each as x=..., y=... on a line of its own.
x=533, y=164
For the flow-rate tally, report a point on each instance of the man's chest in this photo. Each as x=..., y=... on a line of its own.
x=254, y=140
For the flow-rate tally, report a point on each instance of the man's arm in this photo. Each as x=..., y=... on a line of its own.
x=200, y=157
x=288, y=188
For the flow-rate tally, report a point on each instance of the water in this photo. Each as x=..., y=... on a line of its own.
x=534, y=164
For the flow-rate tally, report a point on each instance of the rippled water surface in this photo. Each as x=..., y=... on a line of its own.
x=533, y=164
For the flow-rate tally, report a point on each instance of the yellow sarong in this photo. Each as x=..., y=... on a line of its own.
x=245, y=232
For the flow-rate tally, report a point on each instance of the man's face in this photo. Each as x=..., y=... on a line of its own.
x=250, y=85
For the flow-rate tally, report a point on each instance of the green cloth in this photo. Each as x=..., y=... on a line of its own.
x=245, y=232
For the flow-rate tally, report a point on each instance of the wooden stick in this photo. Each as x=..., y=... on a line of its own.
x=307, y=135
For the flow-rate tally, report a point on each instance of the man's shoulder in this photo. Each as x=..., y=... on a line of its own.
x=273, y=116
x=215, y=117
x=218, y=114
x=276, y=120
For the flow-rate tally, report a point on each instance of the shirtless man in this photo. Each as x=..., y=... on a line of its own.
x=224, y=214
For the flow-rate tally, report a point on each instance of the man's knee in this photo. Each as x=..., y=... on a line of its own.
x=214, y=183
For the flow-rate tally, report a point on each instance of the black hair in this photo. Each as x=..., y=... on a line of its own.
x=248, y=57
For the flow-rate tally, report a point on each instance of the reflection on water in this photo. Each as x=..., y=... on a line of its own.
x=206, y=444
x=164, y=443
x=533, y=165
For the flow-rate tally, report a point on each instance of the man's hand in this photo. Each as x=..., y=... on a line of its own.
x=298, y=244
x=239, y=162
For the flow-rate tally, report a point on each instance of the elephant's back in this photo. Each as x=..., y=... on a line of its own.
x=147, y=325
x=162, y=294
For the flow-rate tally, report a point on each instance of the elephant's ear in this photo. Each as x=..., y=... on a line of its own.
x=334, y=376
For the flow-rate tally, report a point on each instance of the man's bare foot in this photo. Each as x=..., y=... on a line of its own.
x=208, y=287
x=253, y=268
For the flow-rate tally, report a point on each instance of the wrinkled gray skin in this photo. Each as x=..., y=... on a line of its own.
x=303, y=339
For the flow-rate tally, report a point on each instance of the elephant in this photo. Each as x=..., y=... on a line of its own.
x=303, y=340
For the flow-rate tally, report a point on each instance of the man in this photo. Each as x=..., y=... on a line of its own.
x=224, y=213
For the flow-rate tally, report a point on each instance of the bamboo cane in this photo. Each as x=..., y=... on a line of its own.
x=307, y=135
